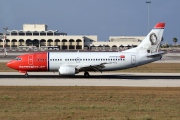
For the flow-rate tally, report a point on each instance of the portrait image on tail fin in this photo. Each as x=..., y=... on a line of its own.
x=153, y=39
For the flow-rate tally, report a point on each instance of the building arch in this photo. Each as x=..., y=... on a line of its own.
x=64, y=44
x=49, y=42
x=42, y=33
x=21, y=33
x=71, y=40
x=78, y=44
x=14, y=33
x=100, y=47
x=42, y=42
x=49, y=33
x=14, y=42
x=28, y=33
x=35, y=42
x=8, y=43
x=129, y=46
x=114, y=48
x=107, y=47
x=1, y=43
x=21, y=42
x=71, y=44
x=57, y=42
x=93, y=47
x=35, y=33
x=78, y=40
x=28, y=42
x=121, y=47
x=64, y=40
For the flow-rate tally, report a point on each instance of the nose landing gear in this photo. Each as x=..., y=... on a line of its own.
x=26, y=74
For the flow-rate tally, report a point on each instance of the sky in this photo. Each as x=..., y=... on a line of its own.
x=103, y=18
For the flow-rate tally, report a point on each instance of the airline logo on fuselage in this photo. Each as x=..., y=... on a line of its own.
x=122, y=56
x=117, y=57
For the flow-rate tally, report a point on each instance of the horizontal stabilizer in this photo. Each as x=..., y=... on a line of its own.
x=158, y=53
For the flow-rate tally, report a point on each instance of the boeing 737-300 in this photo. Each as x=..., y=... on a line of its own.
x=71, y=63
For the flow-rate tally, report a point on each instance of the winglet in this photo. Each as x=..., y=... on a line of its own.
x=159, y=25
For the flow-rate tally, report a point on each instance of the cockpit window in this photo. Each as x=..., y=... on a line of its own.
x=18, y=59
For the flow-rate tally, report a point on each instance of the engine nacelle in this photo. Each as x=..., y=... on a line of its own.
x=67, y=70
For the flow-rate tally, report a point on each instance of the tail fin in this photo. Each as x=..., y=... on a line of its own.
x=152, y=41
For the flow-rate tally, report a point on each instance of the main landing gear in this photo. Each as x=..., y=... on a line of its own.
x=86, y=74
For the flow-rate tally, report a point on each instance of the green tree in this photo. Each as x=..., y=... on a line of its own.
x=175, y=40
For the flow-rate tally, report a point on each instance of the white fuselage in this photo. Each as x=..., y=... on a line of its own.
x=110, y=60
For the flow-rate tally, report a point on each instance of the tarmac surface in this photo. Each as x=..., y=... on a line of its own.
x=96, y=79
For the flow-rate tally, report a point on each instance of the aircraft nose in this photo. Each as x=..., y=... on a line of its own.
x=11, y=64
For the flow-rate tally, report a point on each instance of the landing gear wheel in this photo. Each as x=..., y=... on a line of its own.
x=86, y=74
x=26, y=74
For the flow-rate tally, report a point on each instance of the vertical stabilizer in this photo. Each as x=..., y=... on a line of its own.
x=152, y=41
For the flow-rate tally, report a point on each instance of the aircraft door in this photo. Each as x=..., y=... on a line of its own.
x=30, y=60
x=133, y=59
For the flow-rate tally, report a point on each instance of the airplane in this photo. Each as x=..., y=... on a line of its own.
x=71, y=63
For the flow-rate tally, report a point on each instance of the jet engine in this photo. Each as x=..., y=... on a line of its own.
x=68, y=70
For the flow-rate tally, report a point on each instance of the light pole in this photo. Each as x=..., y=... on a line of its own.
x=4, y=45
x=148, y=3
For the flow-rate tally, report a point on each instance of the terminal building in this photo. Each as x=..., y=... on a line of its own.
x=38, y=37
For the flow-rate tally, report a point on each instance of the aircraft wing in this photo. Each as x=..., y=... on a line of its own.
x=95, y=67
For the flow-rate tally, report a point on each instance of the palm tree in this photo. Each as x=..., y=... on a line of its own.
x=175, y=40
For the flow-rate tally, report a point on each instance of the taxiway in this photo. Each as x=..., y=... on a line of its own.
x=96, y=79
